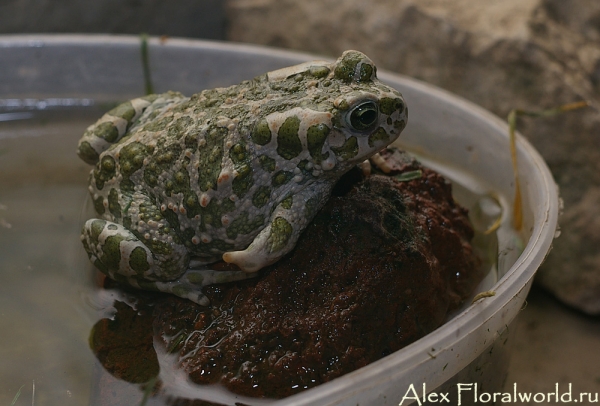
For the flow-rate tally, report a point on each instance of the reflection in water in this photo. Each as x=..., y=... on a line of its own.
x=125, y=344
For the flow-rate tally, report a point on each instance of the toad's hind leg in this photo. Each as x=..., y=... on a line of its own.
x=189, y=285
x=123, y=257
x=113, y=125
x=116, y=250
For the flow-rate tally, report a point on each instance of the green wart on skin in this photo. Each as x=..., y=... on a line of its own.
x=281, y=231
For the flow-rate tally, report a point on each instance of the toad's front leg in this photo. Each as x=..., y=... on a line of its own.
x=288, y=220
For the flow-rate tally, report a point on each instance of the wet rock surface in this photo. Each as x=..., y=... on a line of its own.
x=379, y=267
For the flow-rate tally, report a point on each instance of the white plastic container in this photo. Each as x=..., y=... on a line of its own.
x=465, y=142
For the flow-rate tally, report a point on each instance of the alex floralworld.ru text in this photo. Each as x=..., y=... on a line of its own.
x=465, y=390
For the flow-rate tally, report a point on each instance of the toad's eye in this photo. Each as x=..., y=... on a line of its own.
x=363, y=117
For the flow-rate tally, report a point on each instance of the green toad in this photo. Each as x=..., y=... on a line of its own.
x=230, y=173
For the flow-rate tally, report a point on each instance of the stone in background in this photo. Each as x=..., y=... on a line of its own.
x=527, y=54
x=182, y=18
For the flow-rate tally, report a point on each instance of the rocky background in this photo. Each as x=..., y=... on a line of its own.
x=527, y=54
x=182, y=18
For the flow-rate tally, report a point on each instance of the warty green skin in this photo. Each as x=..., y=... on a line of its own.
x=230, y=173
